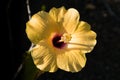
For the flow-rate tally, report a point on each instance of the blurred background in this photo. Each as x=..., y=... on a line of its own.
x=103, y=63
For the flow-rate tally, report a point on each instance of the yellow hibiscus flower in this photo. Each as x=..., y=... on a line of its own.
x=60, y=39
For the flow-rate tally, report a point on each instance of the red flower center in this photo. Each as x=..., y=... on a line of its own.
x=56, y=42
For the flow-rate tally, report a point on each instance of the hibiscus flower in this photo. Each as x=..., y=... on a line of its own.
x=61, y=40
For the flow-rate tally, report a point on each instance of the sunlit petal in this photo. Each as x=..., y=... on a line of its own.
x=71, y=20
x=83, y=38
x=82, y=26
x=72, y=61
x=40, y=26
x=44, y=58
x=57, y=13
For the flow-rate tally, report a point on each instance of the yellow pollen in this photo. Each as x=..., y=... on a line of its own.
x=66, y=38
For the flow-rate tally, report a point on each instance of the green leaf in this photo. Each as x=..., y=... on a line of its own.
x=29, y=70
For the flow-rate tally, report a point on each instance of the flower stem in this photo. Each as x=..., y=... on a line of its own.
x=27, y=70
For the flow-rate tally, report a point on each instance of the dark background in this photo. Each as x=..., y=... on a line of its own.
x=104, y=18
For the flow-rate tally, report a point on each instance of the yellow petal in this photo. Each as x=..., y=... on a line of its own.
x=57, y=13
x=44, y=59
x=82, y=26
x=71, y=20
x=40, y=26
x=83, y=38
x=72, y=61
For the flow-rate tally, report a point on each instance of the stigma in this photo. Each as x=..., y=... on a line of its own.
x=65, y=38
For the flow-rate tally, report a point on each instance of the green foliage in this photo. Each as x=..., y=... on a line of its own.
x=43, y=7
x=29, y=71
